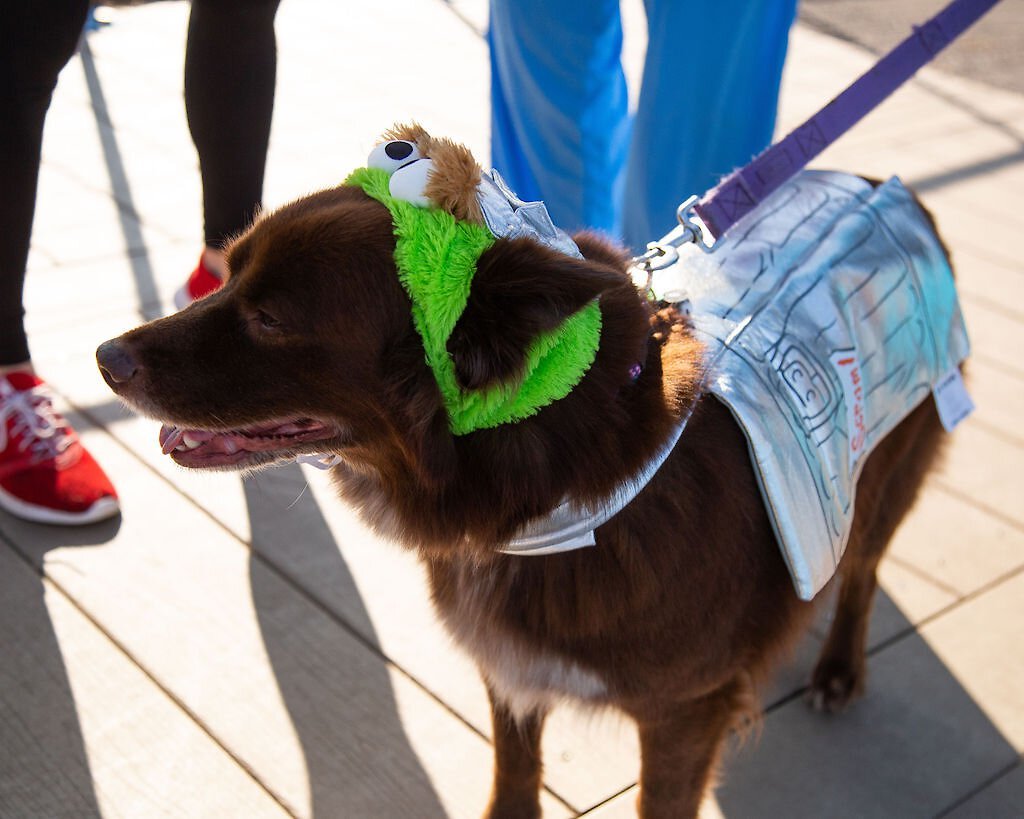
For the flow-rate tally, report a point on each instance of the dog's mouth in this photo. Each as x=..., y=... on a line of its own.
x=246, y=446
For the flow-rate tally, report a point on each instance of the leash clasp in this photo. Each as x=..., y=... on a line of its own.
x=665, y=252
x=693, y=227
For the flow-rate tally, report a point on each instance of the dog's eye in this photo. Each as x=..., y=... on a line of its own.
x=267, y=321
x=390, y=156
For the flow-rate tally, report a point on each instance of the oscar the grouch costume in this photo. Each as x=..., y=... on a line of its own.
x=446, y=213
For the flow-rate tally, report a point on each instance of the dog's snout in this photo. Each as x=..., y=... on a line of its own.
x=116, y=362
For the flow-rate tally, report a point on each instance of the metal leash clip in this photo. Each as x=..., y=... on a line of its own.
x=664, y=252
x=697, y=231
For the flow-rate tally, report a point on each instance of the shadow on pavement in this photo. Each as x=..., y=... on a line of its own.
x=915, y=745
x=44, y=767
x=142, y=268
x=925, y=184
x=358, y=756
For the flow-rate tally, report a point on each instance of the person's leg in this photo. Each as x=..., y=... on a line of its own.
x=230, y=70
x=559, y=124
x=45, y=473
x=707, y=105
x=36, y=41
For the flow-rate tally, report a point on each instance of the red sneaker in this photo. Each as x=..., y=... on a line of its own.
x=46, y=475
x=202, y=282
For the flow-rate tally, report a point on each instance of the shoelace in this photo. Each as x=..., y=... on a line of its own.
x=42, y=430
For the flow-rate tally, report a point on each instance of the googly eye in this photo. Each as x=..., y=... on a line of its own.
x=390, y=156
x=409, y=182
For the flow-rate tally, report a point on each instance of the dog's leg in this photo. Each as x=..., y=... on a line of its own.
x=886, y=491
x=679, y=748
x=517, y=763
x=839, y=674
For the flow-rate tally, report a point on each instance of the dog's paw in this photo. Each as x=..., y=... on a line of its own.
x=834, y=685
x=514, y=809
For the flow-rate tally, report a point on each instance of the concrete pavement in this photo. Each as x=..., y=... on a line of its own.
x=992, y=54
x=235, y=648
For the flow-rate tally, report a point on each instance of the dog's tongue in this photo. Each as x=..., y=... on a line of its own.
x=171, y=437
x=251, y=439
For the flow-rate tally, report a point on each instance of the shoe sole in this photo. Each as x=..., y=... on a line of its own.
x=103, y=509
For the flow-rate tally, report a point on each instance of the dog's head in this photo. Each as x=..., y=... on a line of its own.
x=382, y=320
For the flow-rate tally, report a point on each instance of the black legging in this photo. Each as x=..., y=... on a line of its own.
x=230, y=66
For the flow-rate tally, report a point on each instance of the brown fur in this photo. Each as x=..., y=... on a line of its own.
x=684, y=603
x=452, y=184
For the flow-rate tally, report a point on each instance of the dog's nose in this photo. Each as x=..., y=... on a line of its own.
x=115, y=362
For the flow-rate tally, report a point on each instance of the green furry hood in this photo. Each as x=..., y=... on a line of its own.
x=436, y=256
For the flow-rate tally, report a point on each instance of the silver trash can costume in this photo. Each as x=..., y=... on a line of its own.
x=829, y=313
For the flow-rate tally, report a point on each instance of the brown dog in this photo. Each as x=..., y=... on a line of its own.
x=684, y=603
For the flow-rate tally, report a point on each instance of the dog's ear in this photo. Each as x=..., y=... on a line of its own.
x=520, y=289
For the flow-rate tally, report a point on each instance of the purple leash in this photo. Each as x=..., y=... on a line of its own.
x=742, y=190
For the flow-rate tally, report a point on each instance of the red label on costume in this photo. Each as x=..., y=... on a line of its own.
x=847, y=367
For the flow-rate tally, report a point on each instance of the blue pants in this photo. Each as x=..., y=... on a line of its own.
x=560, y=124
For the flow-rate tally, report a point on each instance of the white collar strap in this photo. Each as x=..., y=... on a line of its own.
x=571, y=526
